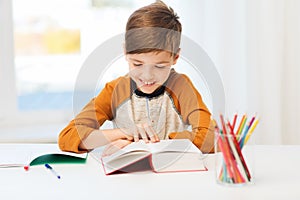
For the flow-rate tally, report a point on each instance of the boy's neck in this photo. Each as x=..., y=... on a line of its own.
x=159, y=91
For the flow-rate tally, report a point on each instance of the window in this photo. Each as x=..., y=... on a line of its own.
x=43, y=47
x=52, y=39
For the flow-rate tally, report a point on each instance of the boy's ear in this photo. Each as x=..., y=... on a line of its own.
x=176, y=57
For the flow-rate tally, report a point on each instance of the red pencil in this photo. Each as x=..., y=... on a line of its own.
x=228, y=152
x=234, y=121
x=237, y=146
x=224, y=151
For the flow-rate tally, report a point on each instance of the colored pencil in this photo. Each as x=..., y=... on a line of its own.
x=226, y=158
x=234, y=121
x=251, y=130
x=239, y=151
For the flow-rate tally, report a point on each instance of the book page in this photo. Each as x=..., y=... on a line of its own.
x=176, y=155
x=180, y=145
x=176, y=161
x=139, y=146
x=176, y=145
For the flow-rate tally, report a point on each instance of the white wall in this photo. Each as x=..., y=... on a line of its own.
x=254, y=45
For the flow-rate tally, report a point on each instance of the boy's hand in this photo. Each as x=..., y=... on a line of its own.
x=115, y=146
x=145, y=132
x=140, y=131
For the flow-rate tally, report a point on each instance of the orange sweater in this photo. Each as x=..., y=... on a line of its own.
x=175, y=107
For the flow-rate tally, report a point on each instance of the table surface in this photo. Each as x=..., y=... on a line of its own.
x=275, y=168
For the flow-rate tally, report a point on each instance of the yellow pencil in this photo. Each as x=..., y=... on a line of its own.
x=251, y=130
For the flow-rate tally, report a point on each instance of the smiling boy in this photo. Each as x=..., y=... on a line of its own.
x=152, y=102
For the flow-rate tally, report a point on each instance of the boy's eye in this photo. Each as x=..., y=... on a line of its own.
x=160, y=66
x=137, y=65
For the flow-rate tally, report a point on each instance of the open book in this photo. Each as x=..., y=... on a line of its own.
x=164, y=156
x=36, y=154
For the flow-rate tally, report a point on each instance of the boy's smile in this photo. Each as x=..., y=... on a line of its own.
x=150, y=70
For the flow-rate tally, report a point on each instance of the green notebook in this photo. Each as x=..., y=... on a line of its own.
x=58, y=159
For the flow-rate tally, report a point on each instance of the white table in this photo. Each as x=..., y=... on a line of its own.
x=276, y=177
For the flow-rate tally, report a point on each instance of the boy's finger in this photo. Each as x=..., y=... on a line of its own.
x=130, y=138
x=135, y=134
x=107, y=150
x=154, y=134
x=142, y=132
x=156, y=138
x=150, y=132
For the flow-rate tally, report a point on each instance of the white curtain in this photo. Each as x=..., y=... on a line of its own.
x=255, y=45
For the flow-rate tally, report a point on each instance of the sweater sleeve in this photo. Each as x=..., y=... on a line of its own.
x=194, y=112
x=91, y=117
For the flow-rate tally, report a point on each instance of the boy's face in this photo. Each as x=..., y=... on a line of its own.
x=150, y=70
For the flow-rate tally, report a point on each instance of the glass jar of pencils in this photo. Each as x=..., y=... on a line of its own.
x=234, y=159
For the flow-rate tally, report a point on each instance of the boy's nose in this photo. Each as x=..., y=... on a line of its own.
x=148, y=72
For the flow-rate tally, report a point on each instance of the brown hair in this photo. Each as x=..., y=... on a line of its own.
x=153, y=28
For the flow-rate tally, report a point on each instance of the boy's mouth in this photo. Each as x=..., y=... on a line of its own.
x=147, y=83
